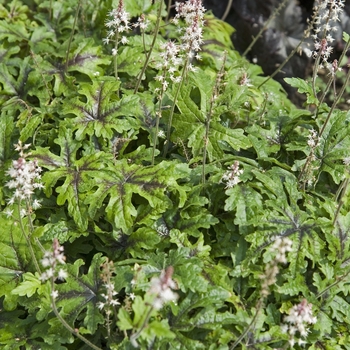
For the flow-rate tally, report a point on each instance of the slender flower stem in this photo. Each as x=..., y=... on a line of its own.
x=168, y=10
x=115, y=57
x=151, y=48
x=314, y=73
x=336, y=101
x=339, y=279
x=251, y=324
x=170, y=121
x=256, y=38
x=29, y=218
x=292, y=53
x=29, y=243
x=71, y=36
x=329, y=83
x=155, y=138
x=134, y=336
x=343, y=189
x=227, y=10
x=319, y=55
x=50, y=10
x=331, y=79
x=206, y=140
x=210, y=112
x=64, y=323
x=305, y=167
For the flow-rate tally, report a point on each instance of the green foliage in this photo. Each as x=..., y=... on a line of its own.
x=126, y=208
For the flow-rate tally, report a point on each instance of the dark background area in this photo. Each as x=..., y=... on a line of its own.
x=282, y=36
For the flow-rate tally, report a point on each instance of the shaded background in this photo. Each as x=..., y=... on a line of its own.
x=282, y=36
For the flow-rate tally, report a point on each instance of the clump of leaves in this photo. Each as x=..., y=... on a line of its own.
x=195, y=212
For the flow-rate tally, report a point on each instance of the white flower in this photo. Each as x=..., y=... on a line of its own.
x=231, y=176
x=161, y=134
x=328, y=12
x=346, y=161
x=299, y=318
x=281, y=246
x=36, y=204
x=114, y=302
x=100, y=305
x=307, y=52
x=25, y=176
x=192, y=12
x=124, y=40
x=62, y=274
x=161, y=288
x=8, y=212
x=51, y=259
x=313, y=139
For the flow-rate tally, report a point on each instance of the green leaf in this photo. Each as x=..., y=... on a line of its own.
x=39, y=35
x=86, y=58
x=31, y=125
x=304, y=88
x=102, y=115
x=131, y=67
x=334, y=145
x=244, y=201
x=13, y=32
x=7, y=52
x=212, y=299
x=124, y=320
x=137, y=7
x=212, y=319
x=192, y=216
x=29, y=286
x=190, y=126
x=159, y=329
x=122, y=181
x=80, y=292
x=6, y=130
x=72, y=171
x=15, y=82
x=294, y=286
x=15, y=260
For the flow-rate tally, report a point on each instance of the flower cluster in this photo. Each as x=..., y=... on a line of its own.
x=281, y=246
x=50, y=261
x=142, y=22
x=161, y=288
x=169, y=64
x=109, y=300
x=25, y=177
x=119, y=23
x=300, y=316
x=231, y=176
x=245, y=81
x=327, y=15
x=313, y=139
x=109, y=297
x=192, y=12
x=346, y=161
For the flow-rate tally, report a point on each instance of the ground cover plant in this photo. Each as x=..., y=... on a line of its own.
x=159, y=192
